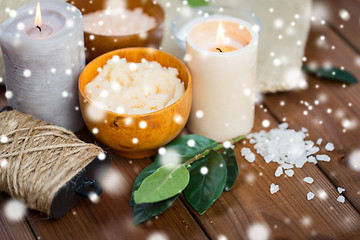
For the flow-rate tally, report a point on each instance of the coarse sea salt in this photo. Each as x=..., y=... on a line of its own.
x=278, y=172
x=289, y=172
x=340, y=190
x=274, y=188
x=341, y=199
x=329, y=147
x=309, y=180
x=310, y=195
x=323, y=157
x=288, y=148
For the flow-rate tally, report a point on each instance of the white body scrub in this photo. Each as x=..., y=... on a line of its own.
x=134, y=88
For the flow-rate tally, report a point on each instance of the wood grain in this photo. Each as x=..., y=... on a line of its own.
x=336, y=98
x=348, y=29
x=287, y=213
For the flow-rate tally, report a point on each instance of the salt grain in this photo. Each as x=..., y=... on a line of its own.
x=310, y=195
x=319, y=141
x=245, y=151
x=323, y=157
x=309, y=180
x=329, y=147
x=341, y=199
x=278, y=172
x=250, y=157
x=274, y=188
x=289, y=172
x=340, y=189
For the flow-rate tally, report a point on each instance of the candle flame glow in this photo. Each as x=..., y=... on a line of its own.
x=220, y=36
x=38, y=22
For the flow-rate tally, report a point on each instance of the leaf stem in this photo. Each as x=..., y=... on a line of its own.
x=216, y=148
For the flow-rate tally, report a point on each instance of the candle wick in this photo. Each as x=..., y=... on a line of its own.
x=219, y=49
x=38, y=28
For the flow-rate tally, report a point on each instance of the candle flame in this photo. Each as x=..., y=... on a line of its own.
x=220, y=36
x=38, y=22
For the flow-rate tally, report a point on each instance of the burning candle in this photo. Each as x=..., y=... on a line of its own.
x=43, y=53
x=221, y=54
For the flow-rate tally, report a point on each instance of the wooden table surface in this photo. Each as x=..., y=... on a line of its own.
x=288, y=214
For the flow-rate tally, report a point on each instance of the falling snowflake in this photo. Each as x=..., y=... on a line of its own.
x=14, y=210
x=204, y=170
x=157, y=236
x=143, y=124
x=94, y=197
x=258, y=231
x=354, y=159
x=191, y=143
x=27, y=73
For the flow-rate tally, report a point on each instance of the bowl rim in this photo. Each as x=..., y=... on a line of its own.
x=158, y=24
x=187, y=90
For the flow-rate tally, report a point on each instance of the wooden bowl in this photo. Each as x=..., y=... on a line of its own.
x=118, y=131
x=100, y=44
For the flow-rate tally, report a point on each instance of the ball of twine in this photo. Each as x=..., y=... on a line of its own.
x=38, y=158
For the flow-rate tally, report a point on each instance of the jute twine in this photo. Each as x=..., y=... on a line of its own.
x=38, y=158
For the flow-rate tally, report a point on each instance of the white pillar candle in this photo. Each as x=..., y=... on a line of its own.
x=42, y=67
x=223, y=82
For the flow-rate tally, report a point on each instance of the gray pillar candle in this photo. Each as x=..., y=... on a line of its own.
x=43, y=60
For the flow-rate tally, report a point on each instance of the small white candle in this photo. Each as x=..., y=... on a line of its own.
x=42, y=61
x=224, y=75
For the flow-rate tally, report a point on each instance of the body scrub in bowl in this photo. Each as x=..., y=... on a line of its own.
x=135, y=88
x=113, y=24
x=135, y=100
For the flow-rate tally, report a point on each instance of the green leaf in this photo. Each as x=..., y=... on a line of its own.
x=142, y=212
x=232, y=170
x=179, y=150
x=204, y=189
x=197, y=3
x=332, y=73
x=164, y=183
x=140, y=178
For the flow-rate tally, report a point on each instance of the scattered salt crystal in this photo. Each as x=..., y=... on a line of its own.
x=340, y=189
x=245, y=151
x=289, y=172
x=288, y=148
x=341, y=199
x=287, y=166
x=310, y=195
x=313, y=150
x=312, y=159
x=329, y=147
x=300, y=163
x=309, y=180
x=250, y=157
x=283, y=126
x=278, y=172
x=274, y=188
x=323, y=157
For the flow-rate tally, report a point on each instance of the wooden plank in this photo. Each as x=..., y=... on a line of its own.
x=12, y=230
x=330, y=10
x=111, y=218
x=334, y=97
x=287, y=213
